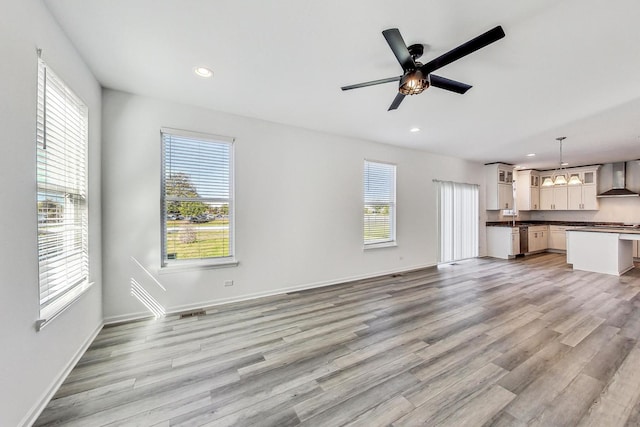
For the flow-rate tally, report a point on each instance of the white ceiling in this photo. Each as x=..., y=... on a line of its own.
x=565, y=68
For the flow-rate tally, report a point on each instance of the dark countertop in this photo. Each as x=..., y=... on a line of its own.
x=612, y=230
x=560, y=223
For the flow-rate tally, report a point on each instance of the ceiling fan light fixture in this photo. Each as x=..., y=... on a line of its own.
x=413, y=82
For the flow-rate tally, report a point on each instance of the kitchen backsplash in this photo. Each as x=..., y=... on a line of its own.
x=623, y=209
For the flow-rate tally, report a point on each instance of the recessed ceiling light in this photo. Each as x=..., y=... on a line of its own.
x=564, y=164
x=414, y=130
x=531, y=155
x=203, y=72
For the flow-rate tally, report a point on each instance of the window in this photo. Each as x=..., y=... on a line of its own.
x=197, y=203
x=457, y=220
x=61, y=147
x=379, y=204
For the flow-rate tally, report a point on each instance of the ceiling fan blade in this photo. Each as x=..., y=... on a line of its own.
x=396, y=102
x=464, y=49
x=448, y=84
x=372, y=83
x=399, y=48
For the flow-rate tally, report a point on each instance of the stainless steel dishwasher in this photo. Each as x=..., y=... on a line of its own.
x=524, y=239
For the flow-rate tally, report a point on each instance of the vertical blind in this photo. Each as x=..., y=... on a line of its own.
x=61, y=139
x=379, y=202
x=197, y=200
x=458, y=220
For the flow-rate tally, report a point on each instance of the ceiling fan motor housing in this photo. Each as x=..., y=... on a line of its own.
x=416, y=51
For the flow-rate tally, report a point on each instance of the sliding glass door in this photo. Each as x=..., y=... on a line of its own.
x=457, y=220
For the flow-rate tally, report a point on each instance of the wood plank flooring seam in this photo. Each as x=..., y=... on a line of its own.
x=483, y=342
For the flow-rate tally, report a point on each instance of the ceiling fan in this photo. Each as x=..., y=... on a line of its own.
x=417, y=77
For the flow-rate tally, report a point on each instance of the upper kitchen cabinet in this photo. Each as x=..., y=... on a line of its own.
x=553, y=197
x=582, y=189
x=499, y=186
x=528, y=190
x=579, y=193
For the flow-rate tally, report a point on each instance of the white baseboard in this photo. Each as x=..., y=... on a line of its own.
x=37, y=409
x=35, y=412
x=124, y=318
x=246, y=297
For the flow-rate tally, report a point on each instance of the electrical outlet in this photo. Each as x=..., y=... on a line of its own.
x=228, y=282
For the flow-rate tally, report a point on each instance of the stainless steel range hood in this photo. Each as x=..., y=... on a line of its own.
x=619, y=179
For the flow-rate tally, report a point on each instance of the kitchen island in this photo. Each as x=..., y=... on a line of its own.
x=607, y=250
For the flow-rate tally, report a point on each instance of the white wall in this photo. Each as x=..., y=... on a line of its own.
x=298, y=206
x=31, y=363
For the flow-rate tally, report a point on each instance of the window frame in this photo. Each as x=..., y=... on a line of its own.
x=168, y=265
x=392, y=239
x=57, y=178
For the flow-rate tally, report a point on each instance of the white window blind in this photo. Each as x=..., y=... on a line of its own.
x=379, y=202
x=61, y=138
x=197, y=205
x=458, y=220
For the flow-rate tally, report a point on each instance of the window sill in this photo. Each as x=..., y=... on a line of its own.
x=182, y=266
x=54, y=310
x=380, y=245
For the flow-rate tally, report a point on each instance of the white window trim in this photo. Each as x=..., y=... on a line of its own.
x=61, y=305
x=179, y=266
x=392, y=241
x=72, y=293
x=176, y=266
x=392, y=244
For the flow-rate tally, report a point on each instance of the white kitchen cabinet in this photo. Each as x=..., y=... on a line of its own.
x=560, y=197
x=558, y=237
x=538, y=238
x=503, y=242
x=546, y=198
x=590, y=198
x=553, y=198
x=515, y=241
x=583, y=194
x=527, y=190
x=505, y=196
x=499, y=186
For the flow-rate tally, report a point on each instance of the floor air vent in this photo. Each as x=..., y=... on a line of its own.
x=192, y=314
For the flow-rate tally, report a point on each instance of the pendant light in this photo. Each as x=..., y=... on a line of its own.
x=559, y=176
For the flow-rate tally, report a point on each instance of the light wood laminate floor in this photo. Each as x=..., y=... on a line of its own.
x=483, y=342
